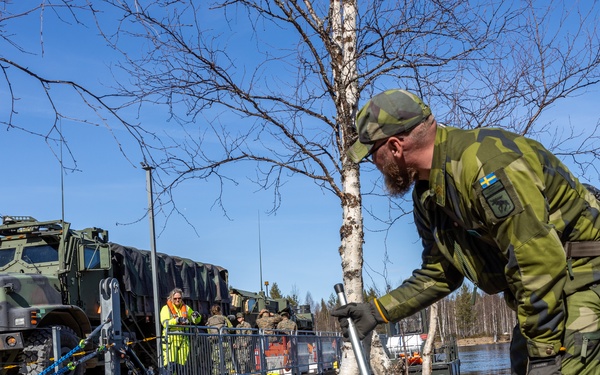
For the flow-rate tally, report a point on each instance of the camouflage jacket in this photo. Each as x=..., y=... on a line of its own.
x=287, y=324
x=244, y=324
x=217, y=321
x=498, y=209
x=268, y=322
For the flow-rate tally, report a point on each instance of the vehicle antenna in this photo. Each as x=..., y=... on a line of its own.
x=260, y=254
x=62, y=174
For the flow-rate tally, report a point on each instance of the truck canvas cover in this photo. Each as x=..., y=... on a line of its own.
x=202, y=283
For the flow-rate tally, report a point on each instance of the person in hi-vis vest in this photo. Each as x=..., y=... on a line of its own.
x=174, y=315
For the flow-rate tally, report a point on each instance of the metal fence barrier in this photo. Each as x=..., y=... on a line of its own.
x=193, y=350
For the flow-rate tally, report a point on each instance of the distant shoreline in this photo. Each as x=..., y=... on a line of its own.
x=481, y=341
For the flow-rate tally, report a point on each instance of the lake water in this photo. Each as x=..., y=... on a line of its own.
x=489, y=359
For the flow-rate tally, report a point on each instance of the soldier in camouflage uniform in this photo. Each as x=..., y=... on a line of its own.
x=219, y=342
x=267, y=321
x=287, y=327
x=500, y=210
x=242, y=323
x=286, y=324
x=243, y=343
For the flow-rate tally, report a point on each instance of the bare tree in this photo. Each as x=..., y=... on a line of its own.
x=85, y=106
x=276, y=84
x=308, y=300
x=294, y=296
x=323, y=319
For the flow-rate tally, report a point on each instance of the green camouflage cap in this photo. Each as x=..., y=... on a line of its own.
x=386, y=114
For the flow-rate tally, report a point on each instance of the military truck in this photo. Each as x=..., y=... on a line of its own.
x=250, y=304
x=50, y=275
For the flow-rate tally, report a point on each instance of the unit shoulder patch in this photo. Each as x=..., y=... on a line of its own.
x=497, y=196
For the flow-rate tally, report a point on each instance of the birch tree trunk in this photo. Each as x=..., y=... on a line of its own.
x=428, y=349
x=345, y=75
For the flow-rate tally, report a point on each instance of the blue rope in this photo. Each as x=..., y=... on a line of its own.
x=69, y=354
x=82, y=343
x=72, y=365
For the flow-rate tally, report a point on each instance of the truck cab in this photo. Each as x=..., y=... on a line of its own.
x=49, y=276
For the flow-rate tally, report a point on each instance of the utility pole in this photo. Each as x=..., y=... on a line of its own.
x=154, y=262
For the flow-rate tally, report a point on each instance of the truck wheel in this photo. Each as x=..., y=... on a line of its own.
x=38, y=351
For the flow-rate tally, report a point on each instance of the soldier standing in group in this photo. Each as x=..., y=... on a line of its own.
x=242, y=323
x=216, y=322
x=286, y=327
x=267, y=321
x=286, y=324
x=172, y=315
x=499, y=209
x=242, y=343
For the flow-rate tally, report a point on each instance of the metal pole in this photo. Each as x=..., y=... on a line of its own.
x=359, y=351
x=56, y=345
x=157, y=325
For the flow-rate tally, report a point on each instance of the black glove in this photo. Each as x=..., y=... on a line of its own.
x=195, y=315
x=364, y=316
x=544, y=366
x=181, y=320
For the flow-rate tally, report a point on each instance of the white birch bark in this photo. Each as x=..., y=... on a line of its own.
x=428, y=348
x=343, y=20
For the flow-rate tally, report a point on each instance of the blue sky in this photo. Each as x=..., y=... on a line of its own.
x=299, y=243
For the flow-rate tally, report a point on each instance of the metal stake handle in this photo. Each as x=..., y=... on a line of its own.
x=359, y=351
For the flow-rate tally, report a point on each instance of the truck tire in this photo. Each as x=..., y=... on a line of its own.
x=38, y=351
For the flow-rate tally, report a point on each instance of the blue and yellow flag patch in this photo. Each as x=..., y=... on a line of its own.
x=488, y=180
x=497, y=195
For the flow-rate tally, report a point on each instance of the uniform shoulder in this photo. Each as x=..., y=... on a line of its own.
x=216, y=319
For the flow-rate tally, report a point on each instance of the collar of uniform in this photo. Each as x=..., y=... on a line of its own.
x=437, y=181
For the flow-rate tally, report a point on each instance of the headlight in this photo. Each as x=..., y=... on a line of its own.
x=11, y=341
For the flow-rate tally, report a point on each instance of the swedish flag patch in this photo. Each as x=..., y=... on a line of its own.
x=497, y=195
x=488, y=180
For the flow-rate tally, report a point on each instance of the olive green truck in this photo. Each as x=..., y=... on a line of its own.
x=50, y=276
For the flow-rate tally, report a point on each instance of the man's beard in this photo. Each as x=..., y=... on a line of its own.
x=398, y=181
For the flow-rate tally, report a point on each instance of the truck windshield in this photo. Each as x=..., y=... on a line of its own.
x=40, y=254
x=6, y=255
x=251, y=304
x=92, y=258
